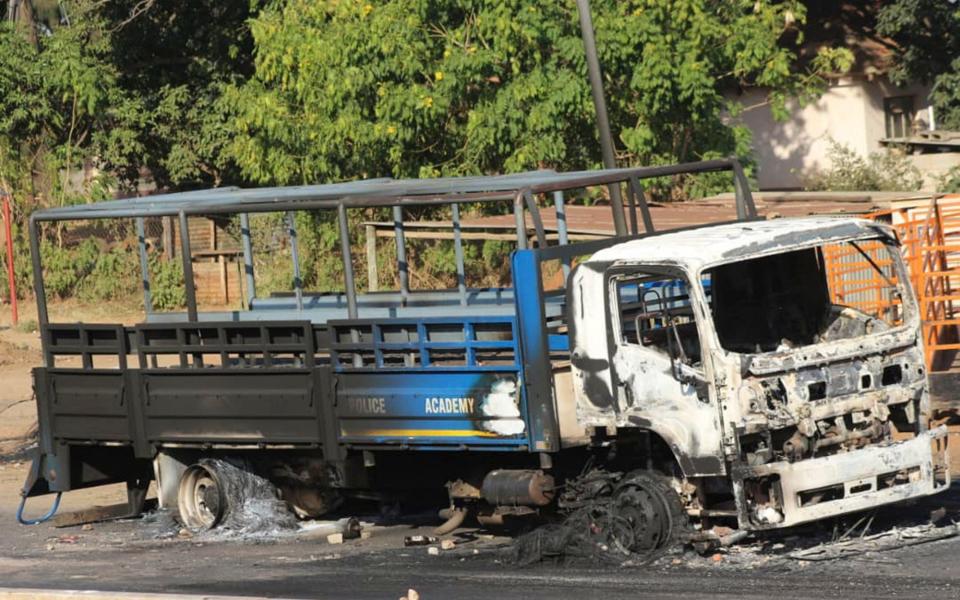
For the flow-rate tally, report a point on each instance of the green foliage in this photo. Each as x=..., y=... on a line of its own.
x=89, y=271
x=881, y=171
x=927, y=33
x=28, y=326
x=424, y=88
x=949, y=182
x=496, y=254
x=167, y=289
x=294, y=91
x=177, y=56
x=115, y=276
x=61, y=105
x=66, y=268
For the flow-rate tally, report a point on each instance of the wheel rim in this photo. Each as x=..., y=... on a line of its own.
x=645, y=519
x=200, y=498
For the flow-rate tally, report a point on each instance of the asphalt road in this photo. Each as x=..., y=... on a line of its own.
x=148, y=556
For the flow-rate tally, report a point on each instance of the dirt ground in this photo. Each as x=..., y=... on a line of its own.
x=150, y=554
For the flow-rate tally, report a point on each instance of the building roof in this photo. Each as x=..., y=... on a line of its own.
x=703, y=247
x=715, y=209
x=850, y=25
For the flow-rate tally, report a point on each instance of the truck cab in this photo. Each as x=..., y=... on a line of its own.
x=780, y=361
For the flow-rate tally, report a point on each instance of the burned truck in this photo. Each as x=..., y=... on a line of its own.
x=720, y=372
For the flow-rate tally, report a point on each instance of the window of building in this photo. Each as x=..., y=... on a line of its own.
x=898, y=112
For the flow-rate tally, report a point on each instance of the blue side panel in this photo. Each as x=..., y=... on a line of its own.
x=429, y=383
x=431, y=408
x=535, y=350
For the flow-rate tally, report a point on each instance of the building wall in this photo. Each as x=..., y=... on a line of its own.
x=850, y=112
x=934, y=166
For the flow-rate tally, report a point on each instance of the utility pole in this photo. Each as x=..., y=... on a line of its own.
x=11, y=276
x=600, y=105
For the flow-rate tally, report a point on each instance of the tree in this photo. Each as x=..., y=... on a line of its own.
x=420, y=88
x=121, y=86
x=177, y=57
x=61, y=105
x=927, y=34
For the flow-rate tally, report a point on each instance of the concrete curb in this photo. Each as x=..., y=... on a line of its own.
x=41, y=594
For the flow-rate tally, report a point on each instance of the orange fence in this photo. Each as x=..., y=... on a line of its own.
x=930, y=238
x=862, y=277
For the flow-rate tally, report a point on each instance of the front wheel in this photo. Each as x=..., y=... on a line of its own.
x=633, y=517
x=648, y=514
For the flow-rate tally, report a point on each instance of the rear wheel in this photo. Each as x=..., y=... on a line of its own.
x=201, y=500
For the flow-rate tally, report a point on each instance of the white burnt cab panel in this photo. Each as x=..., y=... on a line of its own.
x=759, y=369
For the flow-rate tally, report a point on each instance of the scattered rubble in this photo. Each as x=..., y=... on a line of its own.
x=879, y=542
x=348, y=527
x=420, y=540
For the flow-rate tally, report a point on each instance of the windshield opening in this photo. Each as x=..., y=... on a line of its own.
x=831, y=292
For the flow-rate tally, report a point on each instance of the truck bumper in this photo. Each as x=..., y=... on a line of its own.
x=783, y=494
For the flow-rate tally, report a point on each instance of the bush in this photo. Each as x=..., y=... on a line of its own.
x=167, y=288
x=28, y=326
x=880, y=171
x=115, y=276
x=949, y=182
x=65, y=268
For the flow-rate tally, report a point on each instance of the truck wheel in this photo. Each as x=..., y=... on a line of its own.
x=200, y=498
x=650, y=513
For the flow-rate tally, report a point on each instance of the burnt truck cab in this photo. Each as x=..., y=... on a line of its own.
x=780, y=361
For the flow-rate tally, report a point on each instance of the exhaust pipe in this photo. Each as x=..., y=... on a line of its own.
x=455, y=518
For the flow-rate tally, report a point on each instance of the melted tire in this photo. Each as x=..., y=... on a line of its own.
x=652, y=512
x=201, y=499
x=633, y=518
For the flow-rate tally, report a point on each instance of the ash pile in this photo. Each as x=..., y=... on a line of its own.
x=224, y=500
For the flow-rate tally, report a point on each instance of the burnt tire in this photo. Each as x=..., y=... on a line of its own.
x=202, y=501
x=651, y=519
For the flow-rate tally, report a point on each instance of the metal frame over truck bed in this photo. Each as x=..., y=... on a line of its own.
x=327, y=373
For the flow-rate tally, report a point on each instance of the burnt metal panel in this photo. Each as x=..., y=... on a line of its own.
x=88, y=405
x=234, y=406
x=228, y=344
x=85, y=341
x=467, y=343
x=133, y=394
x=41, y=387
x=323, y=401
